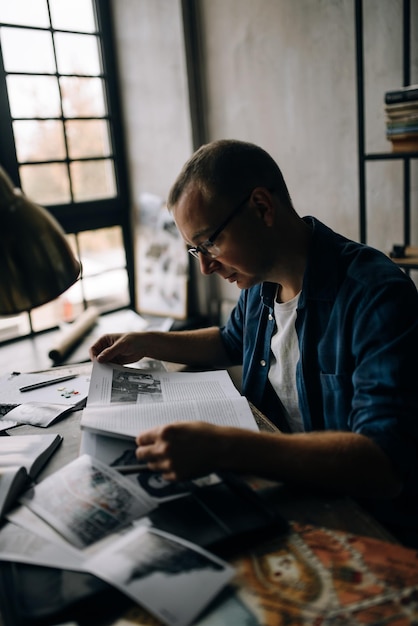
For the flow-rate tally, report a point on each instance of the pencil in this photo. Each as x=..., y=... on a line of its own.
x=131, y=469
x=47, y=383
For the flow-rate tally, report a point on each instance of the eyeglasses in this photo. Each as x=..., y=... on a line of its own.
x=208, y=248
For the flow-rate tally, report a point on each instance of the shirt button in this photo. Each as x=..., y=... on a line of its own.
x=270, y=317
x=263, y=363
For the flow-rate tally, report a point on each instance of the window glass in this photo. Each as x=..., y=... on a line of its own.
x=82, y=97
x=87, y=138
x=92, y=179
x=33, y=96
x=47, y=183
x=46, y=316
x=56, y=134
x=77, y=54
x=14, y=326
x=72, y=15
x=25, y=12
x=104, y=282
x=26, y=50
x=39, y=141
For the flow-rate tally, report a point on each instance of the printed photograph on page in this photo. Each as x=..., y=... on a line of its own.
x=172, y=578
x=112, y=383
x=86, y=501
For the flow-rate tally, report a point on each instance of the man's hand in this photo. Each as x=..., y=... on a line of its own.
x=181, y=450
x=119, y=348
x=340, y=462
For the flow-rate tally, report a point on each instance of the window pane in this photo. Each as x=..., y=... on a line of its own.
x=33, y=96
x=25, y=12
x=39, y=141
x=105, y=279
x=83, y=97
x=77, y=54
x=87, y=138
x=46, y=184
x=27, y=50
x=14, y=326
x=73, y=15
x=47, y=316
x=92, y=180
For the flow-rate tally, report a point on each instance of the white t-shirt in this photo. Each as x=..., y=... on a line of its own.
x=285, y=355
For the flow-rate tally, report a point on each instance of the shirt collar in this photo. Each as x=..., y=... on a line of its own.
x=320, y=279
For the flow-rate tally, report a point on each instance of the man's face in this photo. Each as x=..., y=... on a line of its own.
x=242, y=246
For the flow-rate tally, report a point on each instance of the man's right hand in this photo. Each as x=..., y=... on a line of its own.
x=121, y=348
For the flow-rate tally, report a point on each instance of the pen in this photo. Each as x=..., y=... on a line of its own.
x=131, y=469
x=46, y=383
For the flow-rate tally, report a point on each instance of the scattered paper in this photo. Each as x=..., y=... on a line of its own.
x=87, y=500
x=174, y=579
x=37, y=413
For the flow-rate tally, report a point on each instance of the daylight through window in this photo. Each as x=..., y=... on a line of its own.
x=59, y=116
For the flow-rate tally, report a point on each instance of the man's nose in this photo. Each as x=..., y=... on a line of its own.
x=208, y=265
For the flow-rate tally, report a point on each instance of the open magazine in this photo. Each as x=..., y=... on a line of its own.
x=21, y=459
x=125, y=401
x=86, y=517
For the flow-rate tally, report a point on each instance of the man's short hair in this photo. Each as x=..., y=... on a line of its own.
x=227, y=169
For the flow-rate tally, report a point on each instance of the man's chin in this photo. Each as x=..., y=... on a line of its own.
x=243, y=282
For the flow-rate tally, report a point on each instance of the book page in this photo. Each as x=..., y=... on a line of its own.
x=172, y=578
x=13, y=480
x=28, y=451
x=87, y=500
x=112, y=384
x=128, y=420
x=21, y=545
x=119, y=451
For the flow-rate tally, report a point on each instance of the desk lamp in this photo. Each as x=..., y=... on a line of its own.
x=36, y=261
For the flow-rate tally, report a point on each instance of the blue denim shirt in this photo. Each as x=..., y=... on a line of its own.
x=357, y=326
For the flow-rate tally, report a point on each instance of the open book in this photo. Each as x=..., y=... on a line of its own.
x=124, y=401
x=21, y=459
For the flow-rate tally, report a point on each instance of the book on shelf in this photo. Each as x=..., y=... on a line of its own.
x=402, y=125
x=402, y=111
x=403, y=94
x=405, y=143
x=124, y=401
x=21, y=459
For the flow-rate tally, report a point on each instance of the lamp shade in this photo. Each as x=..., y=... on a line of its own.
x=36, y=260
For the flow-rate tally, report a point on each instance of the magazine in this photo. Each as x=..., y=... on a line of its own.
x=124, y=401
x=101, y=515
x=87, y=500
x=172, y=578
x=21, y=459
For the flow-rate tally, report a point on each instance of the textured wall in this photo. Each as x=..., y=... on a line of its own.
x=149, y=42
x=280, y=73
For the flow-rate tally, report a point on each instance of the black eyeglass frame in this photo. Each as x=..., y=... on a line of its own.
x=203, y=248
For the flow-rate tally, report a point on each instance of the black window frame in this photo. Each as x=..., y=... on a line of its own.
x=77, y=217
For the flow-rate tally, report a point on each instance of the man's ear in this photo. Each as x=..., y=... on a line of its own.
x=263, y=201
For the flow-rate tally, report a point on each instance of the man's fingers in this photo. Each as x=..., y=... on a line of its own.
x=147, y=438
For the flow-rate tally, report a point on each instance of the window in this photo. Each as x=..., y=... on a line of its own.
x=61, y=142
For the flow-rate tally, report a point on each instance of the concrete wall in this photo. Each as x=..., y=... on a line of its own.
x=280, y=73
x=153, y=83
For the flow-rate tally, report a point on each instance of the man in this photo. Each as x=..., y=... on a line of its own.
x=326, y=330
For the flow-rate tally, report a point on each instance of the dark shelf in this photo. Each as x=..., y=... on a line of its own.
x=403, y=157
x=389, y=156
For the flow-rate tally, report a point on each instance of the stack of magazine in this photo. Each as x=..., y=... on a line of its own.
x=161, y=544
